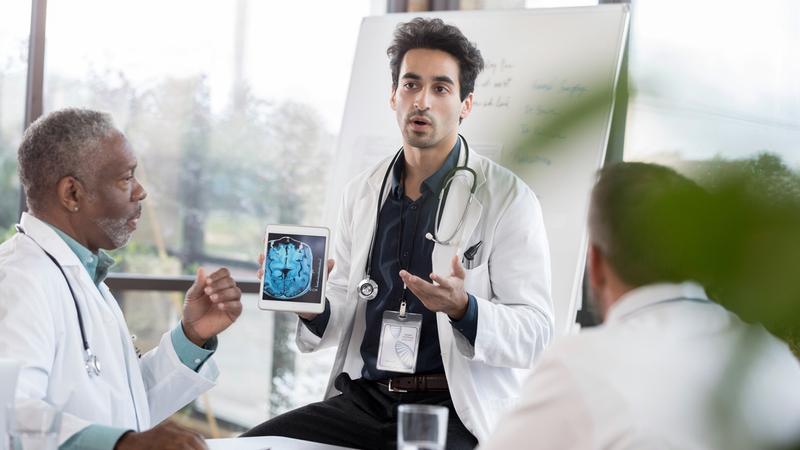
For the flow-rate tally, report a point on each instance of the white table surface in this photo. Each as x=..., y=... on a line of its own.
x=267, y=442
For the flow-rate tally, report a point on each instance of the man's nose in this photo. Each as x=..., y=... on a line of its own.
x=139, y=194
x=421, y=100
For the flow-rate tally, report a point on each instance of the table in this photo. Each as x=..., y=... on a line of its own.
x=268, y=442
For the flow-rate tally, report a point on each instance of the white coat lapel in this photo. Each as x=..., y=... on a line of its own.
x=133, y=373
x=442, y=254
x=365, y=220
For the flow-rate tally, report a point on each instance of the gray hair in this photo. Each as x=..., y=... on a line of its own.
x=62, y=143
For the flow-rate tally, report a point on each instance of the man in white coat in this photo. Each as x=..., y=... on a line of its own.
x=474, y=287
x=668, y=368
x=57, y=315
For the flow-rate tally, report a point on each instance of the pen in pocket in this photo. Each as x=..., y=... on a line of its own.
x=469, y=255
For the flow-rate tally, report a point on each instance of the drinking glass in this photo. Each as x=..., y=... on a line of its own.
x=33, y=427
x=421, y=427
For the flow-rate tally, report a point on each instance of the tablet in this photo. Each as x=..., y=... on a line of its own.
x=295, y=271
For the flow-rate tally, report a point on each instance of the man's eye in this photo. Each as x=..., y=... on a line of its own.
x=409, y=85
x=442, y=89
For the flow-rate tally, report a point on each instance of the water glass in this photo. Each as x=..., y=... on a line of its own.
x=33, y=427
x=421, y=427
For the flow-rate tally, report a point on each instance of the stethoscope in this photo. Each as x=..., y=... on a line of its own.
x=91, y=362
x=368, y=288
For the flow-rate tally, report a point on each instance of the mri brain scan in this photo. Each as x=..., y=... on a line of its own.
x=287, y=273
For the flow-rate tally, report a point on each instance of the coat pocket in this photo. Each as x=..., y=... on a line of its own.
x=477, y=281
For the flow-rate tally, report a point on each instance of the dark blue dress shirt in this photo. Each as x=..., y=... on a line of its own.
x=400, y=243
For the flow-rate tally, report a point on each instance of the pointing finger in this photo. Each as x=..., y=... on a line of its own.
x=331, y=263
x=418, y=286
x=260, y=271
x=442, y=281
x=196, y=290
x=218, y=275
x=458, y=269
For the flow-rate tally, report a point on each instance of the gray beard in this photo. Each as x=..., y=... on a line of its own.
x=116, y=230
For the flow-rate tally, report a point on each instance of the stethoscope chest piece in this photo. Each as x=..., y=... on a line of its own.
x=93, y=366
x=367, y=289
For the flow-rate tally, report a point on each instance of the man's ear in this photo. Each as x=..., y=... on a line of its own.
x=596, y=266
x=466, y=106
x=392, y=100
x=70, y=193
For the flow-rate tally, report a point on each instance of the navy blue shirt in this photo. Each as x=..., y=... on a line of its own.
x=400, y=243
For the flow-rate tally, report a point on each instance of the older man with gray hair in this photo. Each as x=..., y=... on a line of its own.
x=60, y=321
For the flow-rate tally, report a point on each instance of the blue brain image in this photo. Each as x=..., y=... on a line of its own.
x=288, y=268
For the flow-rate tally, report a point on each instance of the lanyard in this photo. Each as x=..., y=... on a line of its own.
x=400, y=241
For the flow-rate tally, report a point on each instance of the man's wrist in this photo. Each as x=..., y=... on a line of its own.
x=458, y=312
x=120, y=444
x=307, y=316
x=192, y=336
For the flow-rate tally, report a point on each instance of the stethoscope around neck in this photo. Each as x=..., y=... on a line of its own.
x=91, y=362
x=368, y=288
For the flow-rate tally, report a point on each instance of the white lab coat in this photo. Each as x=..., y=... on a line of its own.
x=510, y=280
x=39, y=328
x=654, y=377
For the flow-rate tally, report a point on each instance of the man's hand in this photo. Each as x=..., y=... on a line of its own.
x=447, y=296
x=212, y=305
x=166, y=436
x=260, y=273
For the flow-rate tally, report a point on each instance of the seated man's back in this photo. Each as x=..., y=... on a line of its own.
x=668, y=368
x=654, y=376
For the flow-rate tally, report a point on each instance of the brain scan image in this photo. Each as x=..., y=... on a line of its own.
x=288, y=268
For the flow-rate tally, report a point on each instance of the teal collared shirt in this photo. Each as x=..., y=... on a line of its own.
x=101, y=437
x=96, y=264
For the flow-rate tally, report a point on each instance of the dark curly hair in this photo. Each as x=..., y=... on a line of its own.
x=436, y=35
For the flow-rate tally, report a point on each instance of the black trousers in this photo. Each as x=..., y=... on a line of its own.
x=363, y=416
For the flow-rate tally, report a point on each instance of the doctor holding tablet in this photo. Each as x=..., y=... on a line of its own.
x=441, y=290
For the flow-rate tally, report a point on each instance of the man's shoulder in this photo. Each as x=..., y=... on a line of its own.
x=21, y=260
x=581, y=353
x=361, y=180
x=501, y=177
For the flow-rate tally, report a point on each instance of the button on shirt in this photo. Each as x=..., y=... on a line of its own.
x=400, y=243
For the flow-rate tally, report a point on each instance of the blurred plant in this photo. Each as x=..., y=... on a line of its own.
x=741, y=240
x=752, y=226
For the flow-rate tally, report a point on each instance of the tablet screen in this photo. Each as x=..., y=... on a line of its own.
x=293, y=268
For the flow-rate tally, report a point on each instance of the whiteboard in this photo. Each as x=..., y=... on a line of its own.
x=540, y=66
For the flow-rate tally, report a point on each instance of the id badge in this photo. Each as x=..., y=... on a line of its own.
x=399, y=344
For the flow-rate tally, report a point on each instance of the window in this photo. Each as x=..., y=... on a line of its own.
x=233, y=110
x=15, y=19
x=714, y=78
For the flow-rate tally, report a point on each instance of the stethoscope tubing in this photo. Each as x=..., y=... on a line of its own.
x=92, y=363
x=368, y=282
